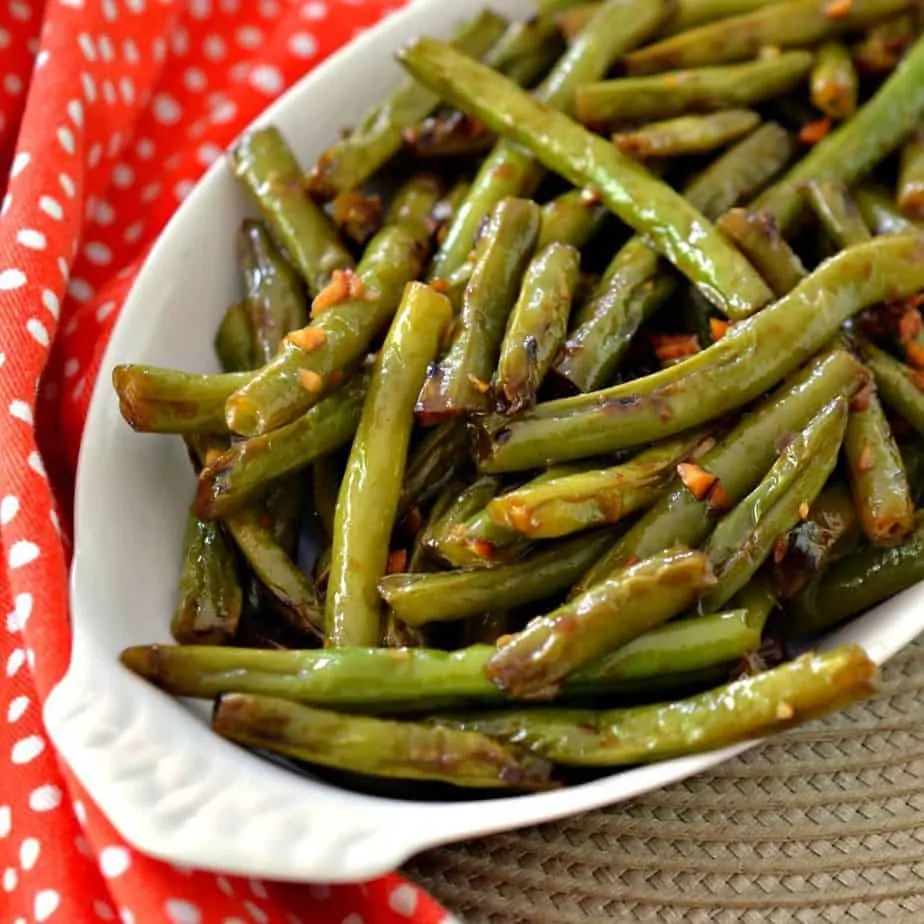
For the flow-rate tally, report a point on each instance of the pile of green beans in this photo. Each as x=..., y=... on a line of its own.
x=586, y=374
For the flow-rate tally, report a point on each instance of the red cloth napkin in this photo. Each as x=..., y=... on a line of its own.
x=109, y=112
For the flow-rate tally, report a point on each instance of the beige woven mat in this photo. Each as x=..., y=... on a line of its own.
x=823, y=824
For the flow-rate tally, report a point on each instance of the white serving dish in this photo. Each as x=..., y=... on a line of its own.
x=171, y=787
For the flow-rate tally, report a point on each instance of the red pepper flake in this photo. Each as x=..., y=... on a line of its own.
x=860, y=401
x=813, y=132
x=696, y=480
x=483, y=549
x=718, y=500
x=397, y=561
x=335, y=378
x=803, y=510
x=915, y=353
x=631, y=560
x=866, y=459
x=481, y=386
x=909, y=325
x=780, y=548
x=837, y=9
x=310, y=381
x=669, y=347
x=307, y=338
x=718, y=328
x=440, y=285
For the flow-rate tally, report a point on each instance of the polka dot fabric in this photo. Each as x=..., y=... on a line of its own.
x=110, y=110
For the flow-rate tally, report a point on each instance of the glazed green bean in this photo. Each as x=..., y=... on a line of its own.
x=156, y=400
x=739, y=461
x=693, y=134
x=234, y=341
x=834, y=82
x=749, y=359
x=745, y=537
x=878, y=482
x=851, y=151
x=377, y=747
x=378, y=136
x=858, y=582
x=832, y=203
x=880, y=213
x=422, y=598
x=537, y=326
x=688, y=14
x=248, y=466
x=315, y=358
x=757, y=237
x=460, y=383
x=588, y=499
x=369, y=494
x=509, y=170
x=526, y=50
x=269, y=171
x=665, y=96
x=797, y=23
x=899, y=386
x=571, y=218
x=648, y=205
x=533, y=663
x=467, y=502
x=911, y=177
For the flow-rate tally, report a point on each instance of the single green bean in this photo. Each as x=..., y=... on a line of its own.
x=877, y=476
x=797, y=23
x=537, y=325
x=858, y=582
x=691, y=13
x=369, y=494
x=588, y=499
x=665, y=96
x=248, y=466
x=832, y=203
x=379, y=134
x=527, y=50
x=880, y=212
x=467, y=502
x=911, y=177
x=234, y=341
x=758, y=238
x=648, y=205
x=533, y=663
x=745, y=537
x=511, y=171
x=900, y=387
x=315, y=358
x=422, y=598
x=768, y=702
x=693, y=134
x=752, y=357
x=851, y=151
x=834, y=82
x=377, y=747
x=739, y=460
x=571, y=218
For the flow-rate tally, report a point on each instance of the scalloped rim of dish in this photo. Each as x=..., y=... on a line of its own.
x=178, y=792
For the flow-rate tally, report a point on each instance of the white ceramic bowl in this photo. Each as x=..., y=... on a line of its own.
x=171, y=787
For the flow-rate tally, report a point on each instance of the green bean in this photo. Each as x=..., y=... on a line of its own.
x=378, y=136
x=274, y=295
x=326, y=475
x=315, y=358
x=757, y=237
x=537, y=325
x=832, y=203
x=424, y=543
x=768, y=702
x=851, y=151
x=371, y=487
x=533, y=663
x=739, y=460
x=757, y=600
x=289, y=587
x=460, y=382
x=418, y=680
x=691, y=13
x=665, y=96
x=587, y=499
x=268, y=169
x=422, y=598
x=745, y=537
x=511, y=171
x=899, y=386
x=155, y=400
x=749, y=359
x=468, y=501
x=880, y=213
x=693, y=134
x=377, y=747
x=234, y=340
x=797, y=23
x=248, y=466
x=834, y=82
x=911, y=177
x=651, y=207
x=210, y=599
x=858, y=582
x=877, y=476
x=571, y=218
x=554, y=7
x=527, y=50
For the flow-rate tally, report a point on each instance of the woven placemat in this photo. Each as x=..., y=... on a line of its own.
x=825, y=823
